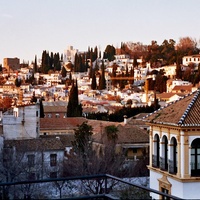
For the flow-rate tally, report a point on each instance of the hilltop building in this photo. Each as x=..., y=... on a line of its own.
x=11, y=64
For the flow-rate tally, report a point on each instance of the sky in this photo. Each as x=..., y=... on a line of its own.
x=27, y=27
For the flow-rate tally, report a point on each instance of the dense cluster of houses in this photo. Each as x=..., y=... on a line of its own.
x=170, y=136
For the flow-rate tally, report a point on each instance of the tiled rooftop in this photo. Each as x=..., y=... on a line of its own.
x=61, y=123
x=40, y=144
x=184, y=112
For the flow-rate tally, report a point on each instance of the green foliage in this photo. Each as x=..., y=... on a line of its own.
x=74, y=109
x=80, y=64
x=94, y=82
x=109, y=53
x=118, y=115
x=18, y=82
x=111, y=132
x=50, y=62
x=63, y=72
x=41, y=109
x=82, y=136
x=102, y=81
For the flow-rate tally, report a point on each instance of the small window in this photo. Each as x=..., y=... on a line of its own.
x=37, y=113
x=57, y=115
x=53, y=160
x=31, y=160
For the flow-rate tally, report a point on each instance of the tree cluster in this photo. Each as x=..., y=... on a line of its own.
x=50, y=61
x=118, y=115
x=169, y=52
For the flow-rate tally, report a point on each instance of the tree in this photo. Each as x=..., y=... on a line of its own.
x=94, y=83
x=109, y=53
x=18, y=82
x=74, y=109
x=35, y=65
x=187, y=46
x=82, y=142
x=102, y=81
x=63, y=72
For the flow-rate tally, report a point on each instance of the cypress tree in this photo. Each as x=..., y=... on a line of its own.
x=35, y=65
x=73, y=107
x=94, y=83
x=102, y=81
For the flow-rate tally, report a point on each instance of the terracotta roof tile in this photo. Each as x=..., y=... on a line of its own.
x=61, y=123
x=184, y=112
x=39, y=144
x=126, y=133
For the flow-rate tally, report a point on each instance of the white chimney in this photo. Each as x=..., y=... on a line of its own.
x=125, y=119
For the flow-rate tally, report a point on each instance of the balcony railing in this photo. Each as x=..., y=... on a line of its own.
x=155, y=161
x=163, y=164
x=172, y=167
x=118, y=189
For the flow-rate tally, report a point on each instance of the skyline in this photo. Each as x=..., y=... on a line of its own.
x=29, y=27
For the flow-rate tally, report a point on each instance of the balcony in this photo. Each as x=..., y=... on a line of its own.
x=172, y=167
x=155, y=161
x=101, y=187
x=163, y=164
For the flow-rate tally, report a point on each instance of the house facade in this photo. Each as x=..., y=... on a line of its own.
x=21, y=122
x=174, y=148
x=186, y=60
x=31, y=159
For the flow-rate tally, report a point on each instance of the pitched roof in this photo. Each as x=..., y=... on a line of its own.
x=187, y=88
x=39, y=144
x=184, y=112
x=127, y=133
x=61, y=123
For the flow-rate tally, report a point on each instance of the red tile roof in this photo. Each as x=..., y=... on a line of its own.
x=184, y=112
x=69, y=123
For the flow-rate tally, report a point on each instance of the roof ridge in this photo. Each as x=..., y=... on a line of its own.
x=173, y=102
x=181, y=121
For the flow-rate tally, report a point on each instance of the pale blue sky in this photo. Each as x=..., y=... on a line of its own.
x=30, y=26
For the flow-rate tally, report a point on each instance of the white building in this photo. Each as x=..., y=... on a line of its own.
x=186, y=60
x=174, y=148
x=69, y=54
x=21, y=122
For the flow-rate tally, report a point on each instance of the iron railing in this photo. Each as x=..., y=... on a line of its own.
x=110, y=188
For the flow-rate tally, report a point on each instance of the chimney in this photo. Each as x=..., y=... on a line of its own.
x=125, y=119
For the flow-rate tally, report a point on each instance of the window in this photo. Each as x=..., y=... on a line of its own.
x=31, y=160
x=173, y=156
x=164, y=156
x=195, y=157
x=57, y=115
x=156, y=154
x=53, y=160
x=164, y=190
x=37, y=113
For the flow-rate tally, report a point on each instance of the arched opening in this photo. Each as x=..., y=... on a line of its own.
x=173, y=156
x=156, y=152
x=195, y=157
x=164, y=156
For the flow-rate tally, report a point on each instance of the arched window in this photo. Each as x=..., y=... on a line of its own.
x=173, y=156
x=164, y=156
x=195, y=157
x=156, y=151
